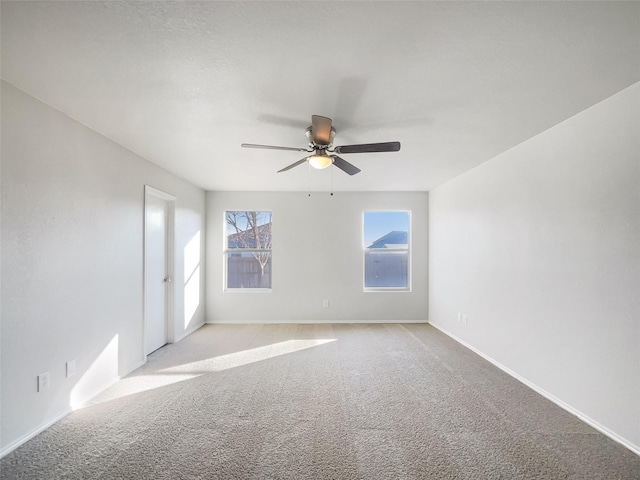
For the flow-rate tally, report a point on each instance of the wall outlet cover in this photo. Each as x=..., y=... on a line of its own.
x=71, y=368
x=43, y=381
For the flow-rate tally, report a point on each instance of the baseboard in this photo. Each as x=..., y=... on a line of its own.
x=41, y=428
x=188, y=332
x=585, y=418
x=134, y=367
x=20, y=441
x=296, y=322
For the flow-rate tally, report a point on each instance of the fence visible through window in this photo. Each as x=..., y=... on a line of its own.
x=247, y=253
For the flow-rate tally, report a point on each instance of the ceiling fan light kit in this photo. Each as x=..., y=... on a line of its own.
x=320, y=161
x=321, y=135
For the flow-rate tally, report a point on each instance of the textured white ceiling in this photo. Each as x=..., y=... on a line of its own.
x=183, y=84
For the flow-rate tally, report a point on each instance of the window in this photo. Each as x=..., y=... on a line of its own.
x=386, y=250
x=248, y=250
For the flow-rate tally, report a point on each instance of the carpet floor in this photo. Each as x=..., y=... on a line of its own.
x=323, y=401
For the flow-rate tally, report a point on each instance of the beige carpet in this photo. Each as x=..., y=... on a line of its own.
x=318, y=402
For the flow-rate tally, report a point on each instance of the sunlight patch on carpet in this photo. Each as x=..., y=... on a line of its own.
x=138, y=384
x=245, y=357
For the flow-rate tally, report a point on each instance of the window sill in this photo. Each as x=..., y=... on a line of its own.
x=247, y=290
x=388, y=289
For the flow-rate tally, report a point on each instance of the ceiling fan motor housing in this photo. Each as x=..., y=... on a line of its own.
x=315, y=145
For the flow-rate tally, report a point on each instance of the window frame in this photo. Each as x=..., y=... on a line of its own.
x=226, y=251
x=392, y=249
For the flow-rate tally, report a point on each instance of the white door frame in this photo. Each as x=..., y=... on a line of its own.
x=170, y=199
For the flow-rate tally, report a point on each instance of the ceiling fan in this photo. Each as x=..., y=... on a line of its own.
x=324, y=154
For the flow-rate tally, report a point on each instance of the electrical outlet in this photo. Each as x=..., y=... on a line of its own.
x=71, y=368
x=459, y=318
x=43, y=381
x=464, y=319
x=325, y=303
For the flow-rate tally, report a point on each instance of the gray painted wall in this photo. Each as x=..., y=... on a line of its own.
x=317, y=255
x=540, y=248
x=72, y=260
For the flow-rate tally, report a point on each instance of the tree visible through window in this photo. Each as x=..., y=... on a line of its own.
x=386, y=250
x=248, y=249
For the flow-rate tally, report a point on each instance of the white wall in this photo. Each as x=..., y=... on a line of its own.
x=317, y=255
x=72, y=260
x=540, y=248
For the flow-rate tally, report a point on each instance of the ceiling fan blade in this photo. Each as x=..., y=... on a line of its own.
x=369, y=148
x=321, y=130
x=293, y=165
x=272, y=147
x=345, y=166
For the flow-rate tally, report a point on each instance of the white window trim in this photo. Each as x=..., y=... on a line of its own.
x=226, y=250
x=406, y=289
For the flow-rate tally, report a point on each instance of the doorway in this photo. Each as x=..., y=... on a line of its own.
x=159, y=210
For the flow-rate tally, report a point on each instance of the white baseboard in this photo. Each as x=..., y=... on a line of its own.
x=295, y=322
x=585, y=418
x=188, y=332
x=20, y=441
x=42, y=427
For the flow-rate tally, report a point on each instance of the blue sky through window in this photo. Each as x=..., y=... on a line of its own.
x=378, y=224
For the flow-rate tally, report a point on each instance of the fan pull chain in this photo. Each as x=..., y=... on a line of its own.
x=309, y=177
x=332, y=180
